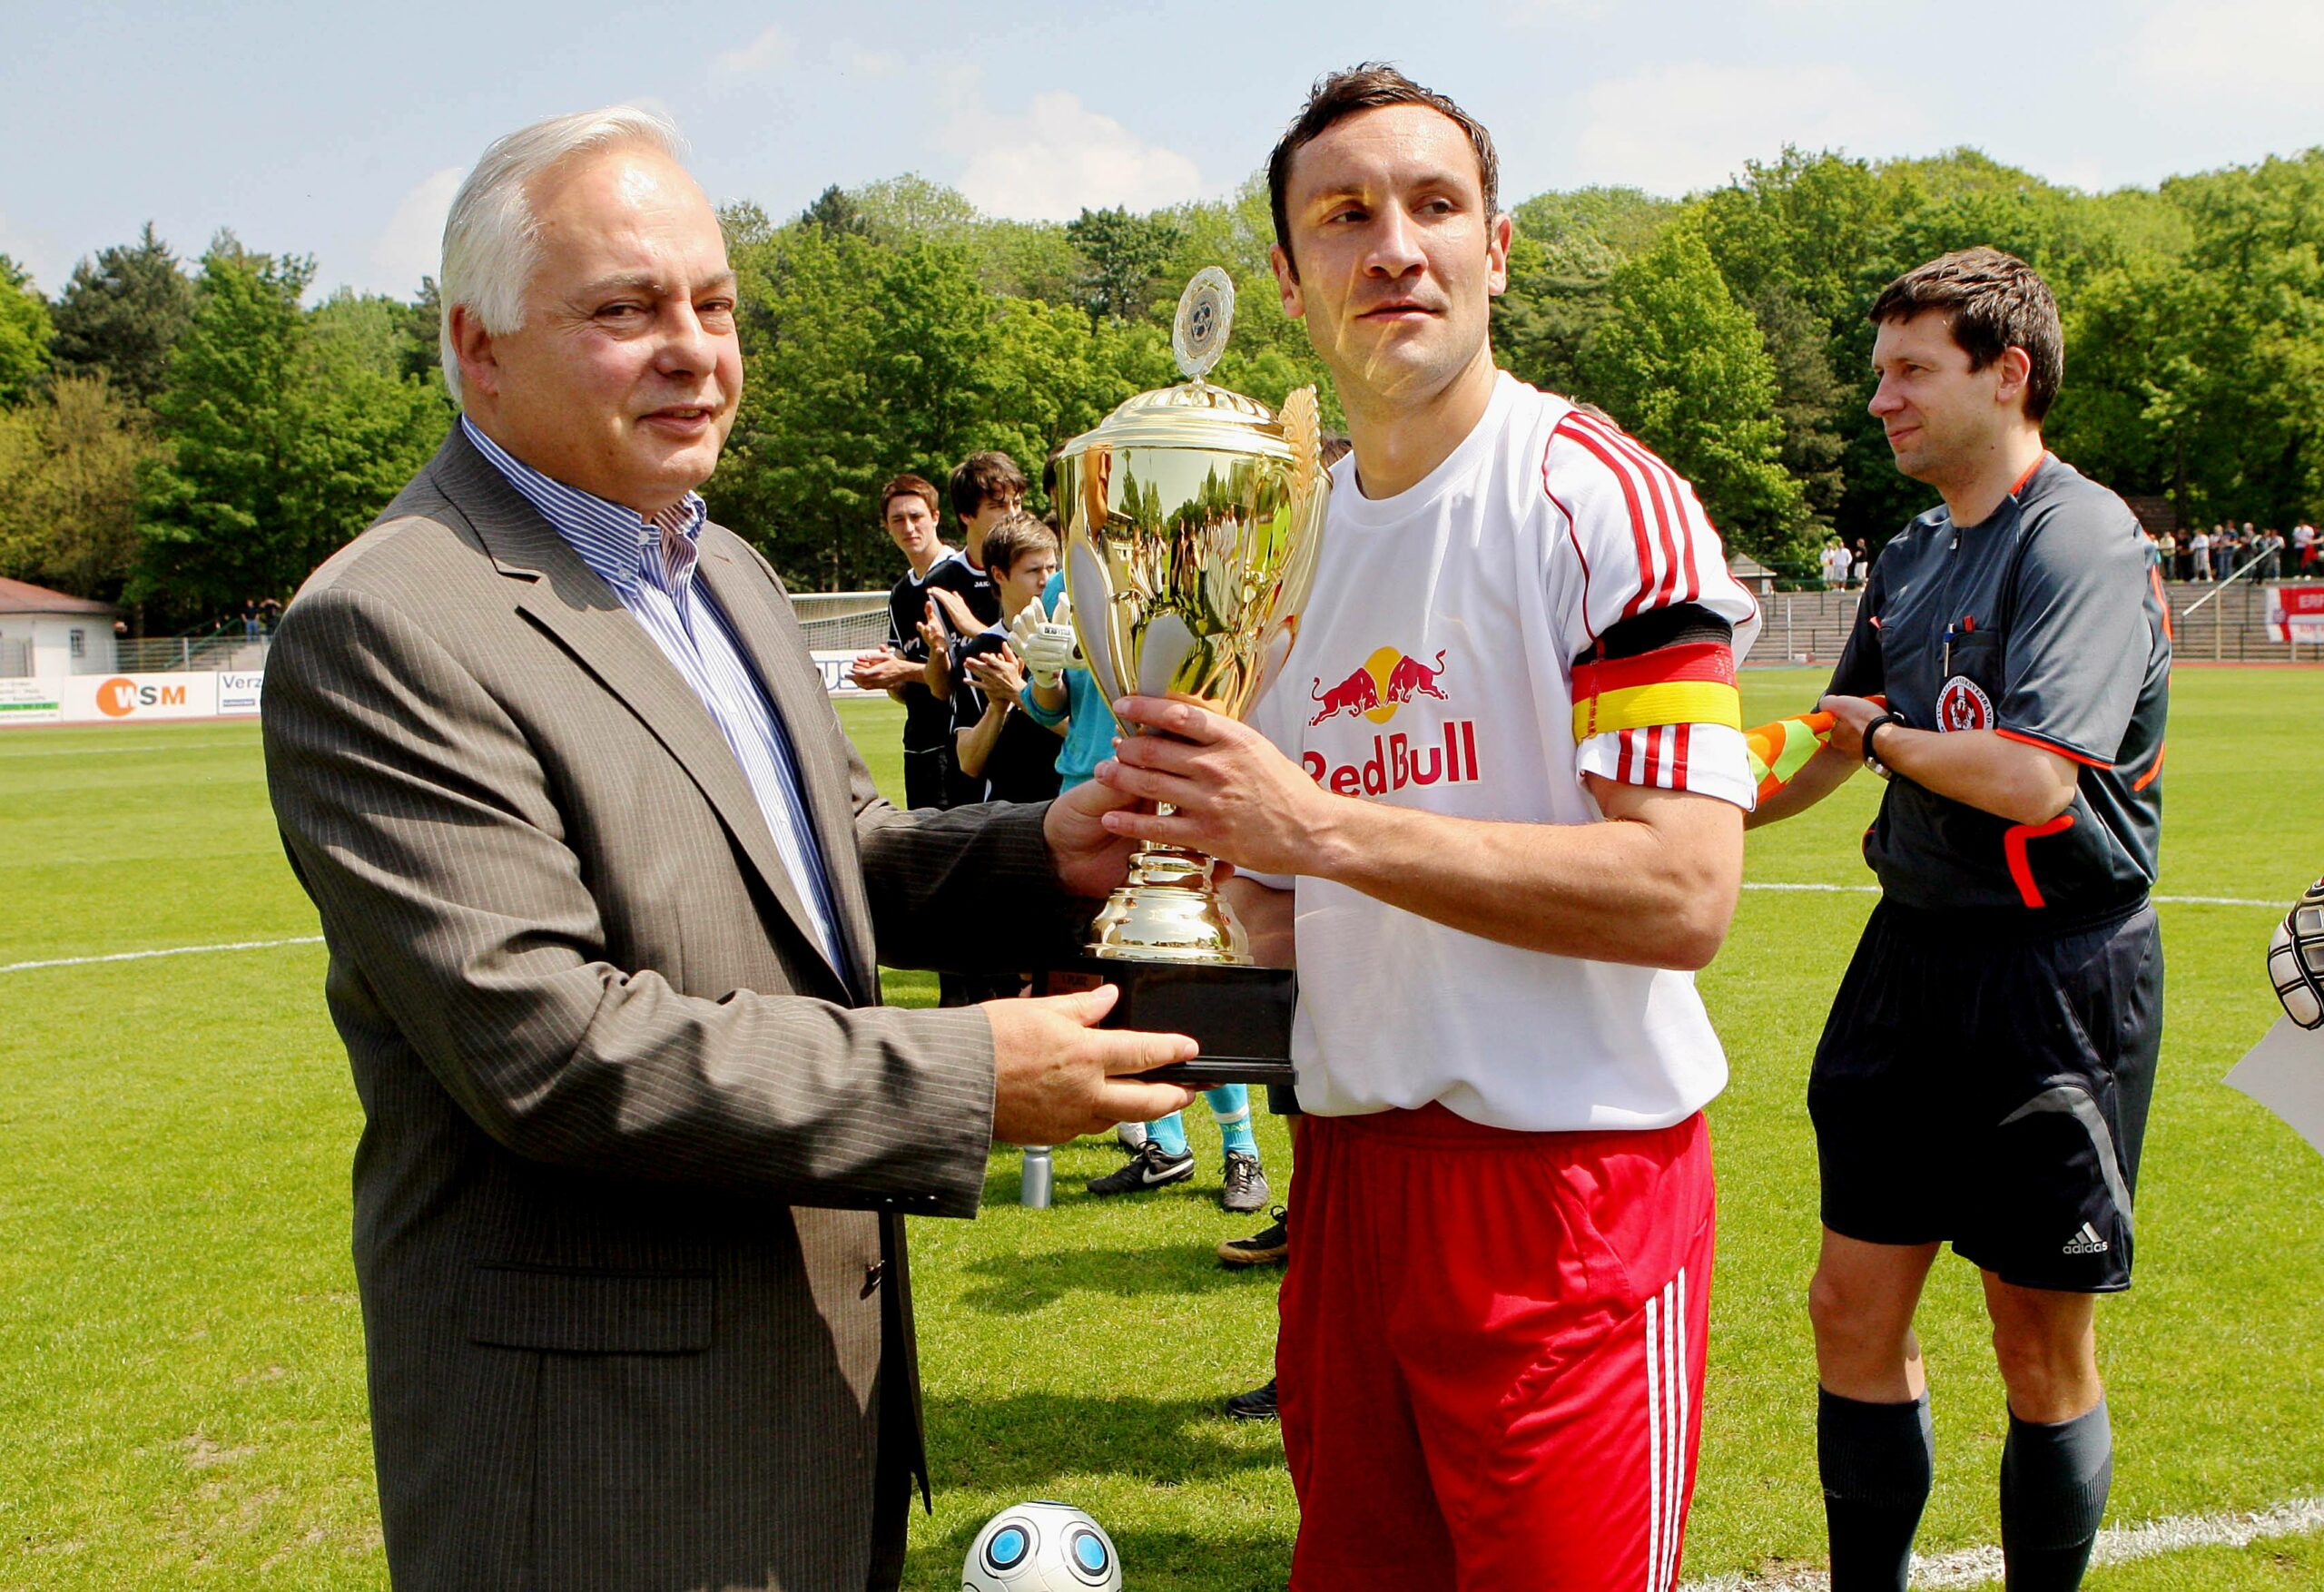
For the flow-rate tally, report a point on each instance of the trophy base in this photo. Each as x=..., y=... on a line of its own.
x=1240, y=1016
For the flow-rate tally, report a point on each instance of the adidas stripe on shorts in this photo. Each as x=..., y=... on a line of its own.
x=1983, y=1083
x=1491, y=1366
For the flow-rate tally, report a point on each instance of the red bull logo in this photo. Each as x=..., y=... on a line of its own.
x=1385, y=680
x=1388, y=680
x=1396, y=763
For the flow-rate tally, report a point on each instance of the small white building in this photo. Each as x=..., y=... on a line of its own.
x=47, y=633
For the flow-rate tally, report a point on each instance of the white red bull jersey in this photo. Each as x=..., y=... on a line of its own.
x=1435, y=670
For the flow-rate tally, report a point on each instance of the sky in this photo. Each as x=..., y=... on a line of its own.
x=342, y=132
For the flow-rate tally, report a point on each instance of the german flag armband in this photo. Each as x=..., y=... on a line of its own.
x=1688, y=682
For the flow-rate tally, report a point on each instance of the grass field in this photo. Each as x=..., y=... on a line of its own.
x=180, y=1358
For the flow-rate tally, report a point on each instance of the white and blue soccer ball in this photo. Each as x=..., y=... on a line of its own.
x=2296, y=959
x=1041, y=1547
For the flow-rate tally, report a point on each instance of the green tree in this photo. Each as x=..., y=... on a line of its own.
x=284, y=434
x=24, y=333
x=121, y=314
x=1681, y=365
x=68, y=487
x=1123, y=258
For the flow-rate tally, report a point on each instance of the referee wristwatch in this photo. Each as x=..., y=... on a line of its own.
x=1871, y=760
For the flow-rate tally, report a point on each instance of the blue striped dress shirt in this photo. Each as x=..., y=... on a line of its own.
x=650, y=565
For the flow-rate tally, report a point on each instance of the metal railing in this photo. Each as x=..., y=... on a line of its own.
x=226, y=648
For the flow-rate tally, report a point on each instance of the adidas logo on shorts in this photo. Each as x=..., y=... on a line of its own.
x=2085, y=1241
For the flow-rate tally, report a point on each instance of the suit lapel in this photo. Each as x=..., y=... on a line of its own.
x=762, y=621
x=559, y=591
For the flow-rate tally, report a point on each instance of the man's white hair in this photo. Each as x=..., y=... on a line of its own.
x=492, y=239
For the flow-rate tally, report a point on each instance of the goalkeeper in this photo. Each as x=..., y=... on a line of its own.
x=1057, y=692
x=1985, y=1074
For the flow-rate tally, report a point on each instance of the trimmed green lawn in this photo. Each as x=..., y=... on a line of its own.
x=180, y=1358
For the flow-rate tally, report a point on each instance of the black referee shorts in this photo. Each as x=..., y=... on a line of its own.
x=1990, y=1088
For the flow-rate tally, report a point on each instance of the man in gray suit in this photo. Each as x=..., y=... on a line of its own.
x=601, y=880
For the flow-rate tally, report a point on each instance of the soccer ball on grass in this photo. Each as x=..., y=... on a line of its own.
x=1041, y=1547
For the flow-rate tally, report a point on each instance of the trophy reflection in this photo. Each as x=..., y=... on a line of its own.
x=1192, y=517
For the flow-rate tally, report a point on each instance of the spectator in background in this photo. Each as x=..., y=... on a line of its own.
x=1828, y=562
x=1862, y=564
x=985, y=489
x=2303, y=541
x=2166, y=554
x=2272, y=553
x=993, y=740
x=250, y=619
x=908, y=514
x=2198, y=555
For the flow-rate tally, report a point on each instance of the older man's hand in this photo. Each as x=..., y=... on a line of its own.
x=1058, y=1075
x=1090, y=859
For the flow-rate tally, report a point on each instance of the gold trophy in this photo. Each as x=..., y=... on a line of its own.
x=1193, y=518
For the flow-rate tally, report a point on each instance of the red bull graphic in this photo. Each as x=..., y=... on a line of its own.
x=1410, y=677
x=1385, y=680
x=1396, y=763
x=1358, y=693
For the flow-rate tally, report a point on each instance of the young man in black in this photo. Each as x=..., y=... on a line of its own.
x=985, y=488
x=908, y=513
x=1985, y=1074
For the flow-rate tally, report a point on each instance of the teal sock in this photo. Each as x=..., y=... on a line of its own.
x=1169, y=1134
x=1230, y=1108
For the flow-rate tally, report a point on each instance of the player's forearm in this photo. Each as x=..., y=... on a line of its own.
x=1981, y=769
x=973, y=746
x=1655, y=891
x=1825, y=773
x=937, y=675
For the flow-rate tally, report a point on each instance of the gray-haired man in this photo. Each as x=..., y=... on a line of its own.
x=600, y=878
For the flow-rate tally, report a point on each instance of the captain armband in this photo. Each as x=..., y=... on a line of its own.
x=1672, y=666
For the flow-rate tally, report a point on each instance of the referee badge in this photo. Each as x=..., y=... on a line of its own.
x=1963, y=705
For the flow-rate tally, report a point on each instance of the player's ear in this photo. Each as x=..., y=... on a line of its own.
x=1498, y=237
x=2015, y=366
x=1287, y=282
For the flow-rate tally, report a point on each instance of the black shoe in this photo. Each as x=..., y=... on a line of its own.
x=1270, y=1246
x=1259, y=1404
x=1245, y=1188
x=1149, y=1168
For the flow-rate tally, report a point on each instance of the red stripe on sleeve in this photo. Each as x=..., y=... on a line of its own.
x=2013, y=846
x=1670, y=512
x=2065, y=752
x=1571, y=427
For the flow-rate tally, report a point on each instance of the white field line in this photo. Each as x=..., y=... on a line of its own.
x=1980, y=1566
x=175, y=950
x=150, y=746
x=1874, y=889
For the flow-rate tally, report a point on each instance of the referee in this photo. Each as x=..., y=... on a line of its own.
x=1983, y=1075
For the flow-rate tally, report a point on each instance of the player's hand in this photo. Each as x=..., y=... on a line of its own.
x=996, y=674
x=881, y=670
x=956, y=612
x=1057, y=1076
x=931, y=632
x=1850, y=714
x=1235, y=796
x=1046, y=644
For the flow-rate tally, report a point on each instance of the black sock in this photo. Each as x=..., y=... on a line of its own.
x=2054, y=1482
x=1875, y=1460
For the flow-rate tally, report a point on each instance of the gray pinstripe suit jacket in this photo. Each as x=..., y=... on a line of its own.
x=628, y=1195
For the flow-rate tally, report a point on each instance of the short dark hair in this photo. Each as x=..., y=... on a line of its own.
x=1368, y=87
x=1994, y=301
x=1016, y=536
x=908, y=485
x=982, y=475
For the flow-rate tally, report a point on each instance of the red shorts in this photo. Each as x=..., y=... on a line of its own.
x=1491, y=1366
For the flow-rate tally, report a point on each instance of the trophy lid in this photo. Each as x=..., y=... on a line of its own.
x=1193, y=413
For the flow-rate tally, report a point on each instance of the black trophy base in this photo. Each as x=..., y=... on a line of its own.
x=1241, y=1017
